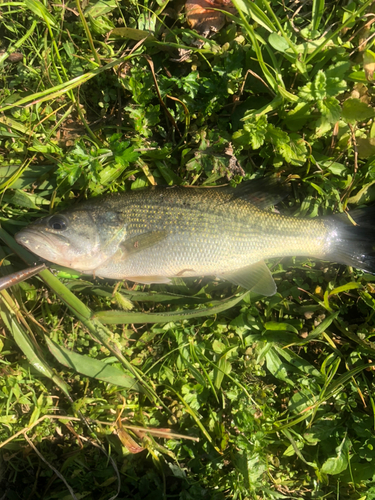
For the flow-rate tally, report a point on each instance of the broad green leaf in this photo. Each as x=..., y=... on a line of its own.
x=290, y=451
x=330, y=109
x=320, y=431
x=100, y=8
x=297, y=117
x=291, y=147
x=277, y=367
x=13, y=124
x=24, y=199
x=336, y=465
x=339, y=69
x=364, y=195
x=357, y=76
x=322, y=87
x=335, y=86
x=253, y=133
x=354, y=110
x=280, y=326
x=278, y=42
x=118, y=317
x=298, y=362
x=170, y=177
x=336, y=168
x=91, y=367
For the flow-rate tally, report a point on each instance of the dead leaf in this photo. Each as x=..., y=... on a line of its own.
x=366, y=147
x=201, y=16
x=369, y=64
x=127, y=440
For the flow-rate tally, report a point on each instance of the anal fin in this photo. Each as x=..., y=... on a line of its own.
x=256, y=278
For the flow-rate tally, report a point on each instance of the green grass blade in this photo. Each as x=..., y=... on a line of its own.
x=344, y=379
x=252, y=10
x=23, y=341
x=344, y=288
x=91, y=367
x=118, y=317
x=63, y=88
x=88, y=33
x=317, y=13
x=337, y=32
x=18, y=43
x=40, y=10
x=267, y=73
x=197, y=418
x=135, y=295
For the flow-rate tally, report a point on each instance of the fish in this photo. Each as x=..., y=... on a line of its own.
x=156, y=234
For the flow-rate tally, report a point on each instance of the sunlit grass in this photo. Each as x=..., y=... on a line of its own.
x=243, y=396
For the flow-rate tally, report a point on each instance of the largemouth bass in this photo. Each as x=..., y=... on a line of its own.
x=153, y=235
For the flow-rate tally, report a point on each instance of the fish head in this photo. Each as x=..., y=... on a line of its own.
x=71, y=239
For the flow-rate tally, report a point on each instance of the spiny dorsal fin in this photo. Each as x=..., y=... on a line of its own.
x=263, y=193
x=256, y=278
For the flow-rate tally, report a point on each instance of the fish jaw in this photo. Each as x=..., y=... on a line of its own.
x=40, y=244
x=57, y=249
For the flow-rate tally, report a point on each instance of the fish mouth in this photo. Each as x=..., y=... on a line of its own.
x=46, y=246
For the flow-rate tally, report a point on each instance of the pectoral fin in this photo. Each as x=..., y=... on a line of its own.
x=256, y=278
x=140, y=242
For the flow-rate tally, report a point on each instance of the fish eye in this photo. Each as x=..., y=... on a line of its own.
x=58, y=223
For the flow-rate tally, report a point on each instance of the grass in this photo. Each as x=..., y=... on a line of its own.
x=196, y=390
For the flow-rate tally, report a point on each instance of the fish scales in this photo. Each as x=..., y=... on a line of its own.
x=209, y=232
x=160, y=233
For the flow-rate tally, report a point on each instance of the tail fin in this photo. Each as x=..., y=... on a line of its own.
x=354, y=244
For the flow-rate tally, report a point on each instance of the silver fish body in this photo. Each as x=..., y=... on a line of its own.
x=153, y=235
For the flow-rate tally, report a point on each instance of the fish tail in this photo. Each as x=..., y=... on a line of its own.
x=353, y=241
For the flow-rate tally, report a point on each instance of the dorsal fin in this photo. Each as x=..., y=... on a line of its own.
x=263, y=193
